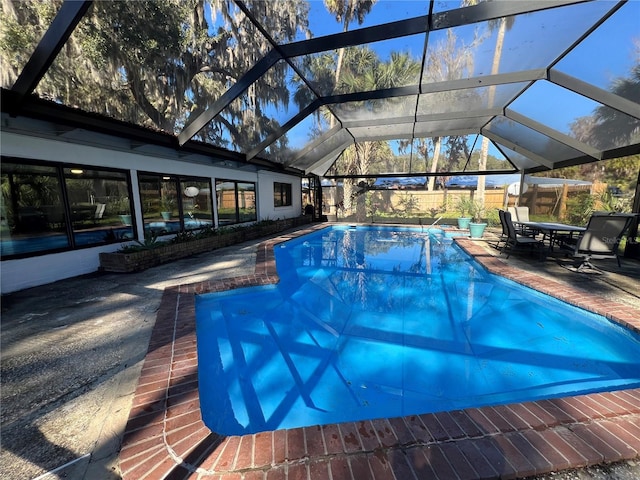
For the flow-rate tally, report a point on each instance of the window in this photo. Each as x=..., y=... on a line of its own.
x=196, y=202
x=36, y=219
x=173, y=203
x=32, y=211
x=99, y=205
x=159, y=201
x=236, y=202
x=281, y=194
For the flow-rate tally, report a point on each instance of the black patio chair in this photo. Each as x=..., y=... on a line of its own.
x=505, y=233
x=515, y=240
x=600, y=240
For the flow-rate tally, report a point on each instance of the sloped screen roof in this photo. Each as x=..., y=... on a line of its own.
x=384, y=87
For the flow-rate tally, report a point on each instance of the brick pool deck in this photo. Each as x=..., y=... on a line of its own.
x=166, y=438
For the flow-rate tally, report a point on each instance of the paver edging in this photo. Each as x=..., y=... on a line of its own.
x=193, y=448
x=622, y=314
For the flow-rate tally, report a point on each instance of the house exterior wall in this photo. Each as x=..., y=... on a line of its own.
x=266, y=208
x=18, y=274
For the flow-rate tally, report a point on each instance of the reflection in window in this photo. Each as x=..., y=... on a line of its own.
x=32, y=216
x=236, y=202
x=281, y=194
x=196, y=203
x=35, y=218
x=159, y=201
x=166, y=211
x=99, y=205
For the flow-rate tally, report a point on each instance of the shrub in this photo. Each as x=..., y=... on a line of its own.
x=464, y=205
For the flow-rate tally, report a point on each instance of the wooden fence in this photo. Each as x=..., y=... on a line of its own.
x=541, y=200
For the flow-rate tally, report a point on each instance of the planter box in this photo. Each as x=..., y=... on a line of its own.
x=126, y=262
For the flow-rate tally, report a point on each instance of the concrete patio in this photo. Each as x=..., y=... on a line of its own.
x=72, y=353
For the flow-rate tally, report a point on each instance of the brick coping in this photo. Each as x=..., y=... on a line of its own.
x=166, y=438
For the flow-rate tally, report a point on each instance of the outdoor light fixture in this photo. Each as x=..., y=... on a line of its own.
x=77, y=171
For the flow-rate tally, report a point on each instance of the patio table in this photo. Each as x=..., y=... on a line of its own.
x=551, y=230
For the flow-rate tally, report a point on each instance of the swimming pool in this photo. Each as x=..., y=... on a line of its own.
x=372, y=322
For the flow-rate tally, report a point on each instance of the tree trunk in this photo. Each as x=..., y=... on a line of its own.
x=484, y=151
x=434, y=165
x=338, y=70
x=347, y=188
x=482, y=165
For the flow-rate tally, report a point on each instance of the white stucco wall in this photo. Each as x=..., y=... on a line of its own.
x=38, y=270
x=42, y=269
x=266, y=209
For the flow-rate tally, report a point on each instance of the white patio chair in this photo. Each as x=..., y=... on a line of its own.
x=519, y=215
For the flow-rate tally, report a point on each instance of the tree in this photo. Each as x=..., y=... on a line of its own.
x=165, y=70
x=363, y=71
x=502, y=25
x=612, y=125
x=345, y=12
x=448, y=60
x=22, y=26
x=607, y=126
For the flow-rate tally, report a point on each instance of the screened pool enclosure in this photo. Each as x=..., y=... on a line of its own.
x=359, y=88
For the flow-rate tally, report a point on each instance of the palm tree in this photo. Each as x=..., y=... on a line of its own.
x=613, y=125
x=447, y=61
x=364, y=72
x=502, y=25
x=345, y=12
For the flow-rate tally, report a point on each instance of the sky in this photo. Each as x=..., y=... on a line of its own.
x=613, y=44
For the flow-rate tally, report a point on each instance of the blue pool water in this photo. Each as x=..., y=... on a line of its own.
x=377, y=323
